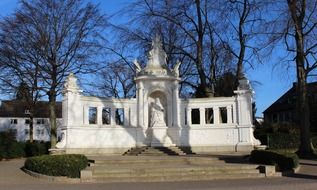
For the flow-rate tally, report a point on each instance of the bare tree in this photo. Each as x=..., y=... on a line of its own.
x=19, y=75
x=116, y=80
x=210, y=39
x=295, y=25
x=242, y=16
x=301, y=31
x=65, y=37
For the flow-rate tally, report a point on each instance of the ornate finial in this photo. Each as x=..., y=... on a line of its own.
x=244, y=83
x=71, y=84
x=137, y=66
x=176, y=68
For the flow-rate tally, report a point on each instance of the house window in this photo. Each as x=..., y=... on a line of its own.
x=39, y=132
x=223, y=118
x=106, y=116
x=119, y=116
x=14, y=132
x=26, y=131
x=27, y=121
x=40, y=121
x=209, y=115
x=92, y=115
x=14, y=121
x=195, y=114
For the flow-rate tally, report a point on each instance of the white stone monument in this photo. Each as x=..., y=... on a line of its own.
x=157, y=116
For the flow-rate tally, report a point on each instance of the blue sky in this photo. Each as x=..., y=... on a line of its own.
x=272, y=78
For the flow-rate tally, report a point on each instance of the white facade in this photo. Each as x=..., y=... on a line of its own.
x=99, y=125
x=20, y=126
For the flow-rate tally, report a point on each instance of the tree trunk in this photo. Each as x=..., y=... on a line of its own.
x=31, y=128
x=239, y=72
x=203, y=89
x=305, y=148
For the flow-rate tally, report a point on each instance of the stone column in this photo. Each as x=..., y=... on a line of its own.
x=99, y=115
x=244, y=116
x=126, y=121
x=202, y=116
x=113, y=116
x=244, y=102
x=229, y=114
x=189, y=116
x=176, y=115
x=216, y=115
x=72, y=106
x=140, y=108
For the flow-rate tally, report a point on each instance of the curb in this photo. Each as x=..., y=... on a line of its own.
x=62, y=179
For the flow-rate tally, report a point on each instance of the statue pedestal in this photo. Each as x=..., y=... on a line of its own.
x=160, y=137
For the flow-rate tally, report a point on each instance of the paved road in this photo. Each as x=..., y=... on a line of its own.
x=12, y=178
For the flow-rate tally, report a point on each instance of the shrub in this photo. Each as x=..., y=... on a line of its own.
x=283, y=161
x=270, y=134
x=9, y=147
x=36, y=148
x=57, y=165
x=283, y=141
x=314, y=142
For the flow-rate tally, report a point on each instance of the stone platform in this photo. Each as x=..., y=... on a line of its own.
x=167, y=168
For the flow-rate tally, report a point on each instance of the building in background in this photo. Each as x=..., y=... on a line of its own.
x=284, y=109
x=14, y=116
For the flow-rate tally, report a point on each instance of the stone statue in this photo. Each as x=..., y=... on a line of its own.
x=157, y=113
x=176, y=68
x=137, y=66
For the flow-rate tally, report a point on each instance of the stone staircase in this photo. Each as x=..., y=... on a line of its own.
x=166, y=168
x=157, y=151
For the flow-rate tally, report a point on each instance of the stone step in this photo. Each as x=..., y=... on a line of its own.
x=168, y=168
x=178, y=168
x=159, y=151
x=147, y=160
x=178, y=177
x=134, y=173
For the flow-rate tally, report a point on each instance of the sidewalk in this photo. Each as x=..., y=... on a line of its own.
x=11, y=173
x=308, y=170
x=11, y=177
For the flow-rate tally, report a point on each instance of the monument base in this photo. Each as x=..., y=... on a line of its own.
x=160, y=137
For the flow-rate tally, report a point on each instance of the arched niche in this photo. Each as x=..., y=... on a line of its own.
x=152, y=100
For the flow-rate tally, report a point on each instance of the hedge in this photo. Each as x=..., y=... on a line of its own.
x=283, y=161
x=314, y=142
x=9, y=147
x=283, y=141
x=36, y=148
x=57, y=165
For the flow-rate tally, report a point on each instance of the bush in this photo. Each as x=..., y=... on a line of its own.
x=36, y=148
x=270, y=134
x=314, y=142
x=9, y=147
x=283, y=161
x=57, y=165
x=283, y=141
